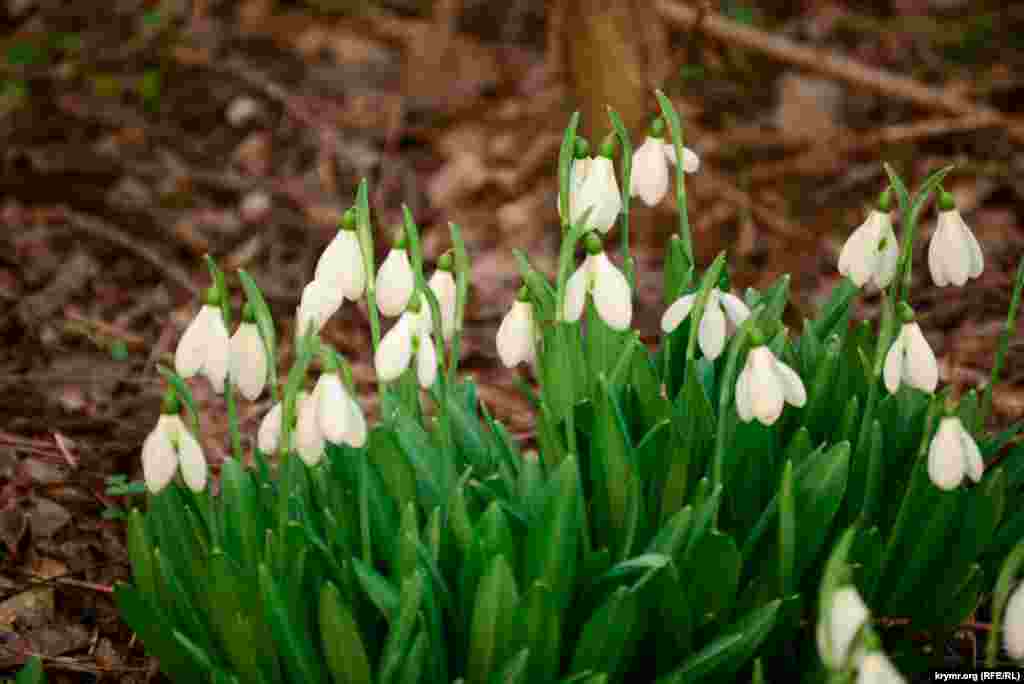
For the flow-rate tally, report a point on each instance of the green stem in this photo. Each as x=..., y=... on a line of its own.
x=672, y=118
x=697, y=313
x=365, y=231
x=885, y=337
x=233, y=428
x=1004, y=344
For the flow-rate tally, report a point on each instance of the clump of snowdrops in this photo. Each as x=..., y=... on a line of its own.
x=744, y=502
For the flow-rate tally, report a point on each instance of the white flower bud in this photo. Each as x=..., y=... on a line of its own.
x=953, y=453
x=871, y=253
x=649, y=178
x=764, y=385
x=320, y=300
x=954, y=254
x=516, y=337
x=837, y=630
x=205, y=348
x=442, y=284
x=609, y=288
x=723, y=310
x=342, y=264
x=912, y=361
x=395, y=283
x=1013, y=624
x=168, y=445
x=248, y=361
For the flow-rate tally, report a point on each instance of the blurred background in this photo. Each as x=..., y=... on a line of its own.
x=136, y=136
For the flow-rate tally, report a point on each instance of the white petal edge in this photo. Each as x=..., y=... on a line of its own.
x=269, y=434
x=332, y=410
x=946, y=463
x=395, y=283
x=792, y=386
x=737, y=311
x=893, y=369
x=711, y=334
x=191, y=351
x=1013, y=625
x=515, y=335
x=612, y=296
x=248, y=361
x=193, y=463
x=426, y=362
x=677, y=312
x=575, y=295
x=395, y=350
x=159, y=459
x=921, y=369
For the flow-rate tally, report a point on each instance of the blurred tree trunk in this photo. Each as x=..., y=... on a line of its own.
x=616, y=54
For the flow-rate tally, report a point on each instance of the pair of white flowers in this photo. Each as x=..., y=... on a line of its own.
x=871, y=253
x=839, y=644
x=328, y=414
x=396, y=284
x=340, y=274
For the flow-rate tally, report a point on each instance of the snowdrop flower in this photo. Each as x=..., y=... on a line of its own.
x=205, y=347
x=338, y=416
x=411, y=335
x=649, y=177
x=442, y=284
x=269, y=434
x=691, y=162
x=875, y=668
x=953, y=454
x=954, y=254
x=395, y=281
x=1013, y=624
x=309, y=440
x=599, y=277
x=839, y=626
x=516, y=338
x=764, y=385
x=168, y=445
x=320, y=300
x=871, y=252
x=342, y=262
x=911, y=360
x=721, y=306
x=593, y=186
x=248, y=358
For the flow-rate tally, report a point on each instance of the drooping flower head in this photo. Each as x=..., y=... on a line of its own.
x=248, y=358
x=341, y=263
x=320, y=300
x=910, y=360
x=650, y=174
x=953, y=454
x=205, y=346
x=517, y=335
x=442, y=284
x=599, y=278
x=410, y=336
x=169, y=445
x=593, y=186
x=838, y=627
x=954, y=254
x=765, y=385
x=871, y=253
x=395, y=280
x=1013, y=624
x=722, y=310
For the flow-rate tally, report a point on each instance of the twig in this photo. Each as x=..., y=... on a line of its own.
x=833, y=65
x=105, y=231
x=765, y=216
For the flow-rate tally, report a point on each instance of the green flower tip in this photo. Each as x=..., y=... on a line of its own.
x=248, y=313
x=170, y=405
x=446, y=262
x=414, y=302
x=592, y=243
x=399, y=242
x=885, y=200
x=756, y=337
x=348, y=219
x=581, y=148
x=609, y=146
x=905, y=312
x=946, y=201
x=657, y=129
x=212, y=296
x=329, y=359
x=523, y=295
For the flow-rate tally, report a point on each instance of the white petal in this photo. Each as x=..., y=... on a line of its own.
x=159, y=459
x=612, y=295
x=342, y=264
x=875, y=668
x=270, y=430
x=426, y=362
x=845, y=619
x=248, y=361
x=395, y=283
x=649, y=179
x=395, y=350
x=1013, y=626
x=191, y=351
x=218, y=354
x=858, y=256
x=951, y=248
x=356, y=435
x=735, y=309
x=515, y=335
x=937, y=258
x=193, y=463
x=972, y=455
x=889, y=255
x=792, y=386
x=893, y=371
x=691, y=162
x=320, y=300
x=975, y=258
x=442, y=283
x=678, y=311
x=946, y=464
x=764, y=386
x=600, y=191
x=743, y=405
x=921, y=369
x=711, y=334
x=332, y=408
x=575, y=294
x=309, y=442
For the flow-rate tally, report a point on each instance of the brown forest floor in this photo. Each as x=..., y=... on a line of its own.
x=121, y=166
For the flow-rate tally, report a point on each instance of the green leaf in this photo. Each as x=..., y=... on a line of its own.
x=493, y=621
x=381, y=593
x=341, y=641
x=515, y=669
x=402, y=627
x=32, y=673
x=539, y=627
x=264, y=323
x=611, y=470
x=149, y=622
x=552, y=544
x=714, y=577
x=1004, y=585
x=607, y=638
x=565, y=162
x=291, y=636
x=787, y=531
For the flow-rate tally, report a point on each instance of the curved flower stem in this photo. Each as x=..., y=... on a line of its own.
x=885, y=338
x=223, y=295
x=462, y=273
x=1004, y=343
x=233, y=427
x=627, y=171
x=672, y=118
x=565, y=161
x=365, y=232
x=710, y=278
x=727, y=393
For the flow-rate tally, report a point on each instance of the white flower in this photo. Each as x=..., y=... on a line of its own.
x=338, y=416
x=411, y=333
x=442, y=284
x=649, y=179
x=269, y=434
x=516, y=338
x=954, y=254
x=593, y=186
x=1013, y=624
x=764, y=385
x=168, y=445
x=248, y=361
x=953, y=454
x=875, y=668
x=395, y=283
x=204, y=348
x=342, y=264
x=871, y=252
x=612, y=297
x=911, y=360
x=838, y=628
x=309, y=440
x=691, y=162
x=320, y=300
x=713, y=327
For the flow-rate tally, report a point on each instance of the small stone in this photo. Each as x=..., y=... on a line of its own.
x=243, y=110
